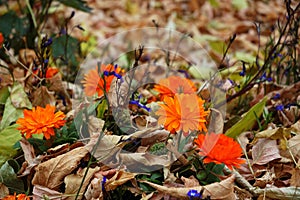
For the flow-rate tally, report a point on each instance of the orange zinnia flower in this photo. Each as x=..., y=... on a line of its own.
x=16, y=197
x=174, y=84
x=219, y=148
x=41, y=120
x=183, y=112
x=98, y=82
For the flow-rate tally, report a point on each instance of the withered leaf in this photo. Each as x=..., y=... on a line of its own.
x=295, y=179
x=51, y=173
x=40, y=192
x=73, y=182
x=118, y=179
x=222, y=190
x=294, y=145
x=264, y=151
x=42, y=96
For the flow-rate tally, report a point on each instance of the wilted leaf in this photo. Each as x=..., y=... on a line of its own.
x=30, y=159
x=41, y=192
x=18, y=97
x=118, y=179
x=284, y=193
x=3, y=190
x=248, y=120
x=8, y=137
x=222, y=190
x=52, y=172
x=56, y=85
x=264, y=151
x=42, y=96
x=295, y=179
x=74, y=181
x=190, y=182
x=216, y=124
x=294, y=145
x=274, y=134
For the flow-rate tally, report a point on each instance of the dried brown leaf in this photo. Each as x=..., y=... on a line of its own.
x=51, y=173
x=264, y=151
x=295, y=179
x=294, y=145
x=74, y=181
x=42, y=96
x=40, y=192
x=30, y=159
x=3, y=190
x=190, y=182
x=216, y=124
x=118, y=179
x=222, y=190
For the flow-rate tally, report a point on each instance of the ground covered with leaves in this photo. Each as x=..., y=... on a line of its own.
x=149, y=99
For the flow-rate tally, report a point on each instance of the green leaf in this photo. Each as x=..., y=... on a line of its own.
x=14, y=105
x=59, y=49
x=239, y=4
x=9, y=178
x=4, y=94
x=8, y=137
x=77, y=4
x=102, y=107
x=247, y=121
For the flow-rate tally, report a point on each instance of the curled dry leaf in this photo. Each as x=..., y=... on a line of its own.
x=30, y=159
x=295, y=179
x=51, y=173
x=42, y=96
x=3, y=190
x=294, y=145
x=56, y=85
x=118, y=179
x=74, y=181
x=40, y=192
x=190, y=182
x=216, y=124
x=264, y=151
x=222, y=190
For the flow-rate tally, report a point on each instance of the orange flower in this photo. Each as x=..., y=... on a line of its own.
x=16, y=197
x=41, y=120
x=183, y=112
x=174, y=84
x=95, y=82
x=51, y=71
x=1, y=40
x=219, y=148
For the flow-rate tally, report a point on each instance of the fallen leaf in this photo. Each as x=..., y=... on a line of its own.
x=264, y=151
x=3, y=190
x=190, y=182
x=9, y=177
x=8, y=137
x=118, y=179
x=295, y=179
x=74, y=181
x=30, y=159
x=294, y=145
x=51, y=173
x=41, y=192
x=216, y=124
x=42, y=96
x=222, y=190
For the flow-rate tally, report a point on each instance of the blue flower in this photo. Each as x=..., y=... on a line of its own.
x=103, y=183
x=276, y=96
x=279, y=107
x=47, y=43
x=243, y=72
x=194, y=194
x=139, y=105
